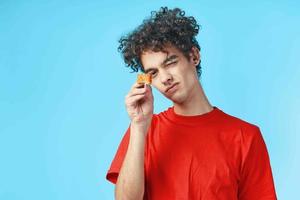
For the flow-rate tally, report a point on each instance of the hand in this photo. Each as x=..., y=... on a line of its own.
x=139, y=103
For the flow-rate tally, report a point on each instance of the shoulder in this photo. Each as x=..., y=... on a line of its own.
x=246, y=128
x=160, y=116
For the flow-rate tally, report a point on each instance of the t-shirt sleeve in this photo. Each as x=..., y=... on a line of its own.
x=113, y=172
x=256, y=180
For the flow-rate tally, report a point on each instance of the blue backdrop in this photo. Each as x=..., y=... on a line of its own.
x=63, y=83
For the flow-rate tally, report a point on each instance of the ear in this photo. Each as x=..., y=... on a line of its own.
x=195, y=56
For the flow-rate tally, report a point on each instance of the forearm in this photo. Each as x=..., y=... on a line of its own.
x=130, y=183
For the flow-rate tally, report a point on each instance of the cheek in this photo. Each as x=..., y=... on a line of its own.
x=189, y=80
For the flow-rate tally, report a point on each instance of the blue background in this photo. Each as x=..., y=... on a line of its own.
x=63, y=83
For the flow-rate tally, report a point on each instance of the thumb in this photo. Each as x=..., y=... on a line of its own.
x=148, y=86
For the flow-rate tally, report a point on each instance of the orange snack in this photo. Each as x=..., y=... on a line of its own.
x=144, y=78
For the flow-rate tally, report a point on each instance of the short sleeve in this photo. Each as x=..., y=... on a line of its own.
x=113, y=172
x=256, y=180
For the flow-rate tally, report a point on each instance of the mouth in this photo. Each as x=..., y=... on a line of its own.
x=171, y=88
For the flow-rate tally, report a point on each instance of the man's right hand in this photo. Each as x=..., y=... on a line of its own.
x=139, y=104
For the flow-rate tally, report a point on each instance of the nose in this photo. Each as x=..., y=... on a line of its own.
x=166, y=78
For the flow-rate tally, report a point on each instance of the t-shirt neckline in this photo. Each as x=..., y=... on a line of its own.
x=193, y=119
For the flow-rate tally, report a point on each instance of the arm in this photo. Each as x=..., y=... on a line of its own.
x=130, y=183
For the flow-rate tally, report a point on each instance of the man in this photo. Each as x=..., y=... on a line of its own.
x=192, y=150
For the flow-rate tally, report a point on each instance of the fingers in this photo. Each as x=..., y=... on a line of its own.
x=139, y=88
x=137, y=85
x=137, y=91
x=132, y=100
x=148, y=86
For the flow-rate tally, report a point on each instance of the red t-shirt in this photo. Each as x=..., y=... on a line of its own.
x=210, y=156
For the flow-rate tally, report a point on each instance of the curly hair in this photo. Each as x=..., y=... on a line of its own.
x=166, y=26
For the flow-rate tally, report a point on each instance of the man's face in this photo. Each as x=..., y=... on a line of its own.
x=172, y=73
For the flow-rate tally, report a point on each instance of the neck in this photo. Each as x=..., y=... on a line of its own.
x=196, y=104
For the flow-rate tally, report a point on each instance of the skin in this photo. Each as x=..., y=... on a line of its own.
x=189, y=97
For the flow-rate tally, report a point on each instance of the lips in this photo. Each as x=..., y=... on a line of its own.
x=170, y=87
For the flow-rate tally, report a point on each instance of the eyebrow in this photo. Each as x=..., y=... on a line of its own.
x=172, y=57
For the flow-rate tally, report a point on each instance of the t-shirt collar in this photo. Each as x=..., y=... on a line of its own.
x=193, y=119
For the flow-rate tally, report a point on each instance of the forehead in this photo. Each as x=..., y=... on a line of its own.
x=152, y=59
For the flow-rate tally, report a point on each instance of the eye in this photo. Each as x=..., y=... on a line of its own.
x=153, y=73
x=172, y=63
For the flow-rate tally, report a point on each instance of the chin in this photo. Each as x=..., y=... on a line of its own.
x=178, y=98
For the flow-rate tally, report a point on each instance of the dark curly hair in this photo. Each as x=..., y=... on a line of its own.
x=163, y=27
